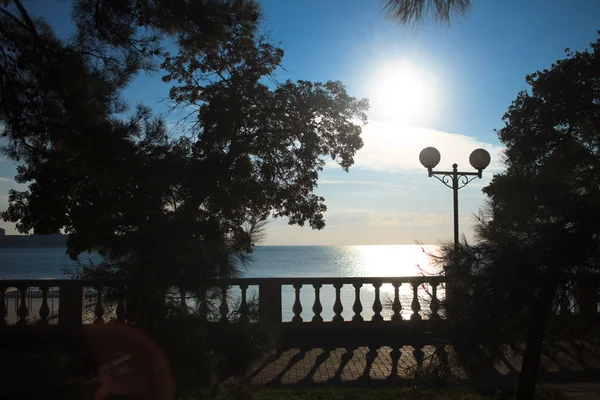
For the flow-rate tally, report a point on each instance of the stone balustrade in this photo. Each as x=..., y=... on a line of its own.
x=65, y=302
x=77, y=302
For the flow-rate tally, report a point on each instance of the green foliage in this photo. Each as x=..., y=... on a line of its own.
x=540, y=231
x=155, y=205
x=164, y=210
x=417, y=11
x=543, y=217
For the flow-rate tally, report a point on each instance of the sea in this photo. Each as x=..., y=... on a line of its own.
x=280, y=262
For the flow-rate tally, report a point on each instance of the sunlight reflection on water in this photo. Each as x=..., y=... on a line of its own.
x=346, y=261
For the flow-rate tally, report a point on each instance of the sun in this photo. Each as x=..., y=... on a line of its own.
x=401, y=93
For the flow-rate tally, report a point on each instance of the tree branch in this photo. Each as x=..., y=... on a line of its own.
x=29, y=23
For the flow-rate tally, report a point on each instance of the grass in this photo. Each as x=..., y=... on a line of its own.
x=352, y=393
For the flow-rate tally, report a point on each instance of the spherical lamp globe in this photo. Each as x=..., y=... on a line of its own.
x=480, y=159
x=430, y=157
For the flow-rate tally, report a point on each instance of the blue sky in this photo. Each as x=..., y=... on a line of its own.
x=439, y=86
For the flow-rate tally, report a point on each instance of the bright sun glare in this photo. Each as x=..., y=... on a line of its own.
x=401, y=93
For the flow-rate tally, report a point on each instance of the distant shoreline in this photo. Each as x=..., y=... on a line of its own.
x=33, y=241
x=34, y=245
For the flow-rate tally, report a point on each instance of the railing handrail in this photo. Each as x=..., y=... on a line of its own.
x=329, y=280
x=232, y=281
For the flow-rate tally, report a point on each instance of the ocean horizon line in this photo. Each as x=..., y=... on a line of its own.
x=345, y=245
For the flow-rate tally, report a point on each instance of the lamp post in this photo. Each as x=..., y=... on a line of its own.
x=479, y=159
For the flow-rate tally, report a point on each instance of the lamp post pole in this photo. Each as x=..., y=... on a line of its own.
x=455, y=196
x=479, y=159
x=455, y=180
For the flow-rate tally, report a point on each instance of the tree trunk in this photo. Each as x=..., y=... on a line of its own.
x=535, y=339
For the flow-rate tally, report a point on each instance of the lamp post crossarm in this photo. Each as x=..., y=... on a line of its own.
x=462, y=178
x=452, y=172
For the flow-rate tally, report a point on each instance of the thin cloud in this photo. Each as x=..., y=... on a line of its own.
x=373, y=183
x=3, y=179
x=363, y=216
x=392, y=148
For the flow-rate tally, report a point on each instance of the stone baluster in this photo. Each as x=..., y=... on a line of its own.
x=183, y=303
x=435, y=303
x=419, y=354
x=224, y=307
x=317, y=307
x=120, y=310
x=396, y=306
x=377, y=307
x=3, y=308
x=357, y=306
x=52, y=301
x=395, y=356
x=44, y=309
x=415, y=305
x=337, y=306
x=99, y=307
x=565, y=303
x=23, y=310
x=203, y=308
x=244, y=311
x=297, y=307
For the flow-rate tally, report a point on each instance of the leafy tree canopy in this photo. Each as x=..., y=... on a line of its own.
x=539, y=238
x=118, y=181
x=546, y=201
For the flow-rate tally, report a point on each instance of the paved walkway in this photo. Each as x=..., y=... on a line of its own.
x=575, y=372
x=319, y=366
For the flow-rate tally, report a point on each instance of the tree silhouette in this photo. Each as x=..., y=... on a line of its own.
x=166, y=210
x=408, y=12
x=540, y=230
x=158, y=205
